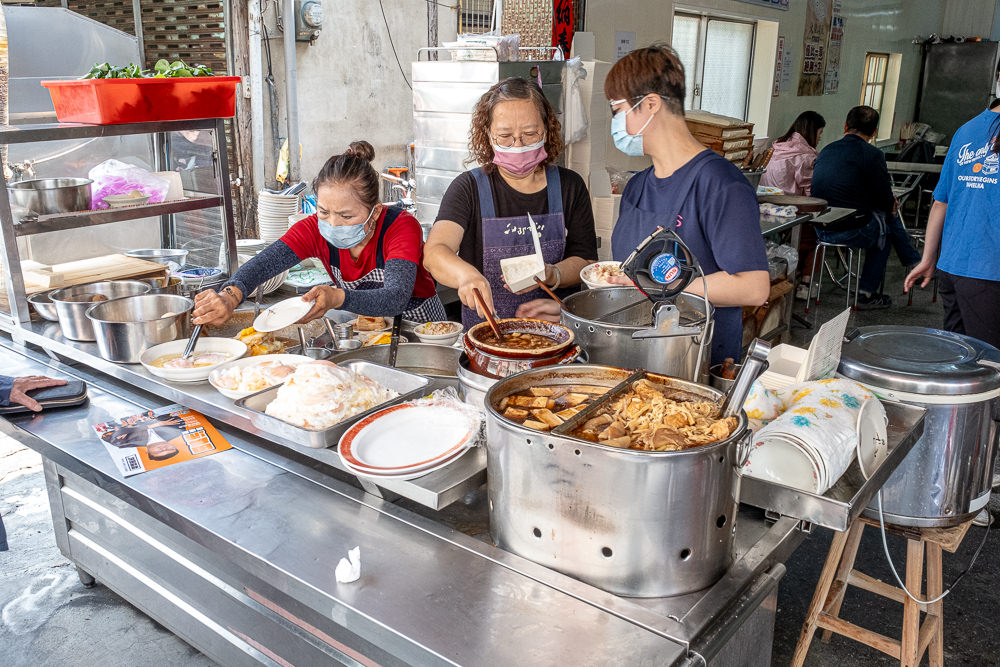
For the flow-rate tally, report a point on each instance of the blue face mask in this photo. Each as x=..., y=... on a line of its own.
x=344, y=236
x=630, y=144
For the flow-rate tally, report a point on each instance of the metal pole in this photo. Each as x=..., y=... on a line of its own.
x=432, y=29
x=137, y=17
x=291, y=89
x=256, y=94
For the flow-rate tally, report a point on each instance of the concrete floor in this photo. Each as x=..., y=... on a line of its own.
x=48, y=618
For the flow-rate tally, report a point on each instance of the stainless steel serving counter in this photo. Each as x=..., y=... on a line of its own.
x=235, y=553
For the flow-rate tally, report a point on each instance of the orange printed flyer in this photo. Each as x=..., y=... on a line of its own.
x=159, y=438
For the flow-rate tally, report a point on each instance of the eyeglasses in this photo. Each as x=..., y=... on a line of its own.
x=526, y=139
x=637, y=99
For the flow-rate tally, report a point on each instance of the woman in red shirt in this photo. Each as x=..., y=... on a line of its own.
x=371, y=251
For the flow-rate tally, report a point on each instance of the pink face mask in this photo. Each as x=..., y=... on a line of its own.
x=520, y=160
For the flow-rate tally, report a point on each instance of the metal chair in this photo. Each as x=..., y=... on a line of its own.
x=853, y=272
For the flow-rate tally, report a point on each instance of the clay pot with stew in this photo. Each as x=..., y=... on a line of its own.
x=527, y=344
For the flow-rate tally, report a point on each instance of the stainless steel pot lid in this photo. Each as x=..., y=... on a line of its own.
x=920, y=361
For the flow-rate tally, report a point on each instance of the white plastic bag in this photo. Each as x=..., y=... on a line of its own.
x=113, y=177
x=575, y=116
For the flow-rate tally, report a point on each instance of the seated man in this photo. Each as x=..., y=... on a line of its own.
x=852, y=173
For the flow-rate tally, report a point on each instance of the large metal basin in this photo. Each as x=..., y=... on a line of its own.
x=634, y=523
x=72, y=304
x=127, y=327
x=437, y=361
x=607, y=339
x=51, y=195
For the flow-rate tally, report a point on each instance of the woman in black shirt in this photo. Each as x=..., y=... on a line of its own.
x=515, y=137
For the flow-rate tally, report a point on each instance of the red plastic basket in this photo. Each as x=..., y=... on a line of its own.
x=113, y=101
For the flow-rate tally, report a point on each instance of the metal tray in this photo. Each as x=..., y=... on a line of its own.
x=408, y=385
x=844, y=501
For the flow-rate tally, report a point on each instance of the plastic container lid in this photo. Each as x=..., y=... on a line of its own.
x=920, y=361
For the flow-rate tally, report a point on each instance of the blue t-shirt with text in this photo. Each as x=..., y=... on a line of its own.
x=970, y=186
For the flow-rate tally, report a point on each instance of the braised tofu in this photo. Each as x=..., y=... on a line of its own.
x=530, y=401
x=538, y=426
x=548, y=417
x=517, y=414
x=541, y=391
x=570, y=412
x=592, y=390
x=573, y=399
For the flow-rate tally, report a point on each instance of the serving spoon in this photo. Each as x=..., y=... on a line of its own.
x=549, y=292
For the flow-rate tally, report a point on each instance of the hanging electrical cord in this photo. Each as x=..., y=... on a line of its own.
x=892, y=566
x=389, y=33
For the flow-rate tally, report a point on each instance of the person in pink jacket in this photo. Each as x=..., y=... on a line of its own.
x=791, y=170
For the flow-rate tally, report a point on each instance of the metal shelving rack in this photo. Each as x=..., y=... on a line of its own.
x=18, y=319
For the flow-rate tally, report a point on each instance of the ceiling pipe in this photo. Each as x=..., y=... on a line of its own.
x=291, y=90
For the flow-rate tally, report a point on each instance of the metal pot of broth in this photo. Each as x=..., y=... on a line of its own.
x=633, y=522
x=604, y=320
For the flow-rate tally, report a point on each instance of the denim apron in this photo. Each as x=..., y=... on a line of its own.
x=511, y=237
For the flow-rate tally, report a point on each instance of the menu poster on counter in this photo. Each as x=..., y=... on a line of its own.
x=158, y=438
x=814, y=46
x=831, y=80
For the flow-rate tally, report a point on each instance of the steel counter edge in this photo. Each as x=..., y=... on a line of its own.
x=235, y=553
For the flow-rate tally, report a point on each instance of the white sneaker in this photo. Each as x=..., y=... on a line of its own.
x=802, y=292
x=984, y=518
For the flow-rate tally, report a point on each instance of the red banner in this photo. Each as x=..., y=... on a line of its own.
x=562, y=25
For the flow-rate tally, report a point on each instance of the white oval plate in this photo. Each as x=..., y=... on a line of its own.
x=873, y=441
x=282, y=314
x=229, y=346
x=360, y=472
x=405, y=438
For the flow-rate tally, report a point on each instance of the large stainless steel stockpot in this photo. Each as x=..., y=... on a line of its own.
x=603, y=321
x=72, y=304
x=634, y=523
x=127, y=327
x=946, y=478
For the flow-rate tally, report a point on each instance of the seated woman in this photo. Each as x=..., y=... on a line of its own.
x=791, y=171
x=371, y=251
x=515, y=138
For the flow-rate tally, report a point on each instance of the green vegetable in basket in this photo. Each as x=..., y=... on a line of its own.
x=161, y=70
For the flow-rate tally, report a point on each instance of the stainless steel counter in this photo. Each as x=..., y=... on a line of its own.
x=235, y=553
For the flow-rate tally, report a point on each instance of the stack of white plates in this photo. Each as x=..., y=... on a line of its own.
x=272, y=214
x=407, y=441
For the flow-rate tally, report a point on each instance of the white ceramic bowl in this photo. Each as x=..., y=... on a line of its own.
x=246, y=362
x=234, y=348
x=439, y=339
x=588, y=275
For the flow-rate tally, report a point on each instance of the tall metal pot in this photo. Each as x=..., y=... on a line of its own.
x=603, y=321
x=946, y=478
x=633, y=523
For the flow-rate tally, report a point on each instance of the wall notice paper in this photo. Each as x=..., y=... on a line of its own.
x=562, y=27
x=814, y=45
x=787, y=67
x=159, y=438
x=831, y=79
x=624, y=44
x=778, y=59
x=773, y=4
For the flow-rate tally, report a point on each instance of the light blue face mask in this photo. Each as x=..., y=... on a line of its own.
x=344, y=236
x=630, y=144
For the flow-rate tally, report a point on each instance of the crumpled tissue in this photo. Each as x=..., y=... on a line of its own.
x=349, y=570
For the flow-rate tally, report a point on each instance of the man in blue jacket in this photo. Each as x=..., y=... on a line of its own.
x=852, y=173
x=15, y=390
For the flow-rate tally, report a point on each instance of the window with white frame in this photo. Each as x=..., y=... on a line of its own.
x=873, y=84
x=718, y=56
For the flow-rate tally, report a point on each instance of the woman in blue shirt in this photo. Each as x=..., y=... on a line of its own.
x=708, y=201
x=963, y=223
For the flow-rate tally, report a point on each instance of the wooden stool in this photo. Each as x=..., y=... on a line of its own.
x=839, y=573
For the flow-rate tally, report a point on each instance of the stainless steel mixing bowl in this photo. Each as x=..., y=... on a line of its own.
x=72, y=304
x=127, y=327
x=51, y=195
